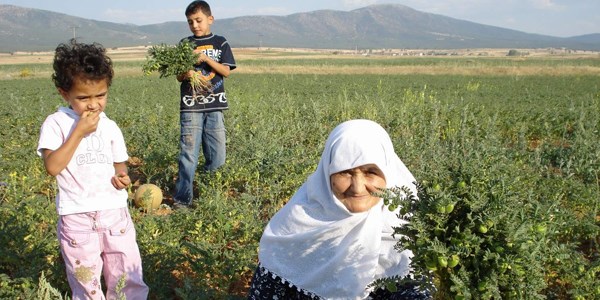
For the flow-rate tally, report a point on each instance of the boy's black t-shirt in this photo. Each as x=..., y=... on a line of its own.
x=217, y=48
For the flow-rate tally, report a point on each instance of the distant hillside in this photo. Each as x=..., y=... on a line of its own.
x=587, y=38
x=24, y=29
x=376, y=26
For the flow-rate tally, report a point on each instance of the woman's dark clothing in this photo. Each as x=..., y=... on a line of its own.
x=266, y=286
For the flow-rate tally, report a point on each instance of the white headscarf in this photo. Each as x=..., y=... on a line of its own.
x=317, y=244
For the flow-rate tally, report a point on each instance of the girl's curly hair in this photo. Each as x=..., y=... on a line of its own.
x=78, y=60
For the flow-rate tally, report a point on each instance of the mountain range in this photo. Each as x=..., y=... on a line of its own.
x=372, y=27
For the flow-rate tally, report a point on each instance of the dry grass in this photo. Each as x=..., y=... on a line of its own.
x=139, y=54
x=429, y=70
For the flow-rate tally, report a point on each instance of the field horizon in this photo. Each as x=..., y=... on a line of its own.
x=390, y=61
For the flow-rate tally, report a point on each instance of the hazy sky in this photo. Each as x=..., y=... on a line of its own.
x=560, y=18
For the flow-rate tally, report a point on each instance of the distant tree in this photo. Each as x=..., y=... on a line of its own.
x=513, y=52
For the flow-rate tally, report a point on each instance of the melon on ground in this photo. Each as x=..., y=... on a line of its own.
x=148, y=196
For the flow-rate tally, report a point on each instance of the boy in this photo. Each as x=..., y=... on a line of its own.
x=86, y=152
x=201, y=116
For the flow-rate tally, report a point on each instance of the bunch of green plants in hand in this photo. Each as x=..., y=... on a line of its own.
x=471, y=240
x=175, y=60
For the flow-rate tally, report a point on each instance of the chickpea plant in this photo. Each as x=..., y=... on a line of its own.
x=170, y=60
x=467, y=244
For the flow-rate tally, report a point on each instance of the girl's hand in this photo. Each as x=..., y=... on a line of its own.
x=88, y=122
x=121, y=180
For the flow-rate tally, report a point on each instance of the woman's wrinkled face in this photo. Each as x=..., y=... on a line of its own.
x=355, y=187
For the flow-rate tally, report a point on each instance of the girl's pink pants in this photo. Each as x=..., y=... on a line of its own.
x=102, y=243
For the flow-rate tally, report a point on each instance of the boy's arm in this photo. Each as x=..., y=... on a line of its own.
x=57, y=160
x=216, y=66
x=222, y=69
x=121, y=179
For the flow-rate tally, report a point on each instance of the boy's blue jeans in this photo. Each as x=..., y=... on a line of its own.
x=206, y=130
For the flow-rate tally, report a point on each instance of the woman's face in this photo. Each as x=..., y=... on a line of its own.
x=355, y=187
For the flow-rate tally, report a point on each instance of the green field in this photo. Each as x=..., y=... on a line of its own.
x=534, y=137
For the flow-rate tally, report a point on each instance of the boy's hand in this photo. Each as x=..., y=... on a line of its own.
x=121, y=180
x=202, y=57
x=184, y=76
x=190, y=74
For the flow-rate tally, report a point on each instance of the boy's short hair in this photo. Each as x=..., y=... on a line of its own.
x=86, y=61
x=197, y=5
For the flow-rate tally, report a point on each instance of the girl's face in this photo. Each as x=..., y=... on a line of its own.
x=355, y=187
x=199, y=23
x=86, y=95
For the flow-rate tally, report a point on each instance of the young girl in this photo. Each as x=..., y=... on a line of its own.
x=86, y=152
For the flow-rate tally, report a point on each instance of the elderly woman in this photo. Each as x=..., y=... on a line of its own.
x=334, y=237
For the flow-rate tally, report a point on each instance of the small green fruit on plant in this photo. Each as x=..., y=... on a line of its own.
x=482, y=228
x=441, y=209
x=442, y=261
x=540, y=228
x=454, y=260
x=431, y=265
